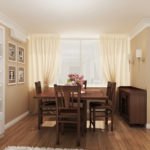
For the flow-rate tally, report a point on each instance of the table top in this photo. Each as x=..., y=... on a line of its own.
x=92, y=94
x=131, y=89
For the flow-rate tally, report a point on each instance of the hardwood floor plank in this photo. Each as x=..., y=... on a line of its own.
x=124, y=137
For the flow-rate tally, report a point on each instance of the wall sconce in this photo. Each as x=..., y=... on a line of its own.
x=131, y=61
x=139, y=55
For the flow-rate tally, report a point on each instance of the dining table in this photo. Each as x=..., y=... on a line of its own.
x=88, y=94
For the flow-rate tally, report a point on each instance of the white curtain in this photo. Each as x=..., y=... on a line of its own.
x=114, y=58
x=43, y=60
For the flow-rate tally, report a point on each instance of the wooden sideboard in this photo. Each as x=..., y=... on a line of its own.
x=133, y=104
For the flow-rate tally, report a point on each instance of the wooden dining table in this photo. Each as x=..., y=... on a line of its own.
x=89, y=94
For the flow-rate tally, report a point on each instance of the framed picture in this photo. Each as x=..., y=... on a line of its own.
x=12, y=52
x=11, y=75
x=21, y=75
x=21, y=55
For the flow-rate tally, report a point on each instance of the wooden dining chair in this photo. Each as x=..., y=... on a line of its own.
x=67, y=110
x=46, y=107
x=104, y=109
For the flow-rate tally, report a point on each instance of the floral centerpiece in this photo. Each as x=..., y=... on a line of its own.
x=75, y=79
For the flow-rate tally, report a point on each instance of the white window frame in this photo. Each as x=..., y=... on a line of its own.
x=80, y=40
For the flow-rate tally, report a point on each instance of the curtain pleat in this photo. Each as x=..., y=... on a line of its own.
x=114, y=58
x=43, y=60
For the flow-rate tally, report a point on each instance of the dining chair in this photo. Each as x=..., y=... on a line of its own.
x=46, y=107
x=104, y=109
x=67, y=110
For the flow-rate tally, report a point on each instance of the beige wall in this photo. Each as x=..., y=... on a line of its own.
x=16, y=96
x=140, y=71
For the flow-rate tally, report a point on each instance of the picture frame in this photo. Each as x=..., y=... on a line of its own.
x=21, y=75
x=12, y=76
x=12, y=52
x=21, y=55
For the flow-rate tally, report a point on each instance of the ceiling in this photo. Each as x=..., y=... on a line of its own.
x=76, y=16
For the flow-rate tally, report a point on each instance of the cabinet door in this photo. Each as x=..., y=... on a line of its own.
x=137, y=109
x=124, y=102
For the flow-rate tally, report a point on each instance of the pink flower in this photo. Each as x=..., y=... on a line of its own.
x=76, y=75
x=73, y=83
x=70, y=75
x=75, y=79
x=81, y=77
x=82, y=81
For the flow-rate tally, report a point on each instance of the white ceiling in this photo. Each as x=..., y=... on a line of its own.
x=76, y=16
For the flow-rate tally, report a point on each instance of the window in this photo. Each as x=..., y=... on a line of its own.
x=82, y=57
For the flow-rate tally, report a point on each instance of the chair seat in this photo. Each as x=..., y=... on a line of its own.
x=100, y=114
x=70, y=113
x=69, y=110
x=47, y=103
x=101, y=105
x=96, y=104
x=76, y=105
x=68, y=120
x=48, y=113
x=48, y=106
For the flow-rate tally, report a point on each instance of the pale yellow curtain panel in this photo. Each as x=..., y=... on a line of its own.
x=114, y=58
x=43, y=60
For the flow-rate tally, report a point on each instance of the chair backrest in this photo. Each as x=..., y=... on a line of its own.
x=66, y=96
x=111, y=90
x=108, y=88
x=38, y=87
x=85, y=84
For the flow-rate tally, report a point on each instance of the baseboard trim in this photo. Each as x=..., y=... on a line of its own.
x=11, y=123
x=148, y=125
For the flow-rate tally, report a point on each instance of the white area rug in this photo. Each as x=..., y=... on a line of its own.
x=36, y=148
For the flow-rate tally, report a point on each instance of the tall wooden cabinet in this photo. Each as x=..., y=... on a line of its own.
x=133, y=104
x=2, y=79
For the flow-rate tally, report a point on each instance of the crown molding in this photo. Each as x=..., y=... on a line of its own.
x=144, y=23
x=5, y=20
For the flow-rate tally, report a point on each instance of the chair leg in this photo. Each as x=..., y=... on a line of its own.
x=39, y=124
x=78, y=134
x=112, y=120
x=82, y=128
x=93, y=118
x=41, y=116
x=57, y=132
x=106, y=118
x=85, y=115
x=90, y=118
x=82, y=125
x=62, y=128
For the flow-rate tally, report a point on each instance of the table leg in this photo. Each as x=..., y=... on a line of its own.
x=85, y=114
x=39, y=113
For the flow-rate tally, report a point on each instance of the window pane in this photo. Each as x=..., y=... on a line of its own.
x=83, y=59
x=70, y=59
x=90, y=62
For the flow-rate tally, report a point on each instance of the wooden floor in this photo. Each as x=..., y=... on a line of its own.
x=124, y=137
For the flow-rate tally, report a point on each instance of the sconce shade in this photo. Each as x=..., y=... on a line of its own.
x=138, y=53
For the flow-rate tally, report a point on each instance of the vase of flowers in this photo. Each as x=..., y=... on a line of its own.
x=75, y=79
